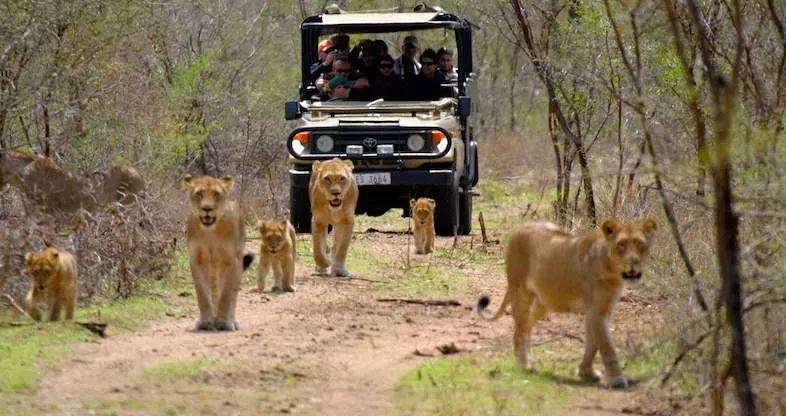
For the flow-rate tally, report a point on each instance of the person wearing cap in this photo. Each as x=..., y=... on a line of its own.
x=342, y=67
x=339, y=88
x=327, y=53
x=405, y=64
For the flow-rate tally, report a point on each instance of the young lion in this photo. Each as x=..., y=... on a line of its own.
x=216, y=239
x=333, y=193
x=551, y=270
x=54, y=283
x=277, y=251
x=423, y=219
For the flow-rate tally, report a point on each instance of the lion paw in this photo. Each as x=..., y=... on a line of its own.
x=589, y=375
x=205, y=325
x=289, y=288
x=226, y=326
x=321, y=271
x=619, y=382
x=339, y=272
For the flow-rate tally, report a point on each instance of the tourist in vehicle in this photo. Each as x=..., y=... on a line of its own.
x=445, y=61
x=327, y=53
x=405, y=64
x=339, y=88
x=342, y=67
x=427, y=85
x=388, y=85
x=380, y=48
x=362, y=57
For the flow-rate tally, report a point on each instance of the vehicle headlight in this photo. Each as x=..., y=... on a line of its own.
x=325, y=143
x=416, y=142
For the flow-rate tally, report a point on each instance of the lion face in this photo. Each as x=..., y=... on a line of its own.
x=334, y=179
x=208, y=197
x=422, y=210
x=41, y=268
x=629, y=245
x=274, y=234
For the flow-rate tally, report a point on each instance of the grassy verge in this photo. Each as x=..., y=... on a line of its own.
x=27, y=349
x=481, y=385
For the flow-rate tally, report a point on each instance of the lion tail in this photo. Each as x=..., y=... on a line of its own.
x=248, y=258
x=484, y=302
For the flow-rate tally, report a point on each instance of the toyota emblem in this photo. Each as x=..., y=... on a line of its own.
x=369, y=142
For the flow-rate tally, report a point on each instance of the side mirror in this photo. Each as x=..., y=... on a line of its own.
x=292, y=110
x=464, y=106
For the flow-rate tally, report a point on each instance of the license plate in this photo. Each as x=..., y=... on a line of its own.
x=364, y=179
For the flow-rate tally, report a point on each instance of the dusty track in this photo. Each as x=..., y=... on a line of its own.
x=330, y=348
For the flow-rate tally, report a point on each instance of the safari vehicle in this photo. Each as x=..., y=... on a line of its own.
x=400, y=149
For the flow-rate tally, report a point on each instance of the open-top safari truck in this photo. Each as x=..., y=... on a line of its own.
x=400, y=149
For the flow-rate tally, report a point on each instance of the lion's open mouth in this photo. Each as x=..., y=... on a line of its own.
x=207, y=220
x=631, y=275
x=335, y=202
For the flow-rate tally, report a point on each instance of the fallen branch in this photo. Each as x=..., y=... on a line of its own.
x=16, y=306
x=427, y=302
x=94, y=327
x=681, y=355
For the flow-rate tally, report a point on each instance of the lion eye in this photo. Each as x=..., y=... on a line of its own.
x=199, y=195
x=620, y=247
x=640, y=245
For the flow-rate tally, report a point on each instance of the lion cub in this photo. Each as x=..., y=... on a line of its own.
x=277, y=251
x=54, y=283
x=550, y=270
x=422, y=212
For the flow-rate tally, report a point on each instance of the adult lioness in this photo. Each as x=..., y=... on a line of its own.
x=277, y=251
x=333, y=193
x=422, y=212
x=216, y=239
x=53, y=273
x=551, y=270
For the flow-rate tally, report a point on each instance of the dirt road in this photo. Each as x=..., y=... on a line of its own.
x=331, y=348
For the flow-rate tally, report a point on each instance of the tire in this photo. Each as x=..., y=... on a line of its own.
x=446, y=217
x=300, y=209
x=465, y=213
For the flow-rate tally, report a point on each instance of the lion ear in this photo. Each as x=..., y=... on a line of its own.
x=649, y=226
x=349, y=165
x=29, y=258
x=412, y=203
x=55, y=254
x=284, y=223
x=228, y=182
x=260, y=225
x=185, y=182
x=431, y=202
x=610, y=228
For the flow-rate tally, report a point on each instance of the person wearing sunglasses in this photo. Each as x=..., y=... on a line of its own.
x=388, y=85
x=342, y=67
x=427, y=85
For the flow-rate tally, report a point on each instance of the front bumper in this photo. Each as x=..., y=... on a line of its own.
x=409, y=177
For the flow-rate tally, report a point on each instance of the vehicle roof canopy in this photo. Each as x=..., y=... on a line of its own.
x=382, y=22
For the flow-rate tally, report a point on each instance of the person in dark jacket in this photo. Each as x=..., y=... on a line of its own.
x=427, y=85
x=388, y=85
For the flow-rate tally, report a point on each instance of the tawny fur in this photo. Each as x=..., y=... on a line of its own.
x=57, y=191
x=550, y=270
x=277, y=251
x=422, y=211
x=53, y=273
x=216, y=239
x=334, y=195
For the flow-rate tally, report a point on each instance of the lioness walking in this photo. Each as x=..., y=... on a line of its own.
x=216, y=239
x=551, y=270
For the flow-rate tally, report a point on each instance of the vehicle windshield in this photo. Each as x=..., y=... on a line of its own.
x=383, y=67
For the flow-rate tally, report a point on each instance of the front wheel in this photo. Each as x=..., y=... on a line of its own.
x=300, y=209
x=446, y=217
x=465, y=213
